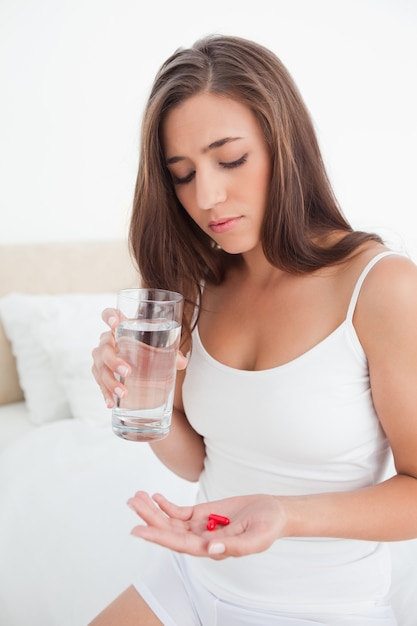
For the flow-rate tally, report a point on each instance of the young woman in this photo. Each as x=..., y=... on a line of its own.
x=302, y=369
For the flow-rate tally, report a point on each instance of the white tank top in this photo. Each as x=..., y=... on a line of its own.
x=307, y=426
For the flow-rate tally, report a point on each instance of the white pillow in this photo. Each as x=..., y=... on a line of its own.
x=52, y=337
x=20, y=316
x=69, y=340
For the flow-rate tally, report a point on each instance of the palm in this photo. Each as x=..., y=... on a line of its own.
x=256, y=521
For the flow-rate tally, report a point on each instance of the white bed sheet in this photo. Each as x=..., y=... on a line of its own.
x=65, y=544
x=14, y=423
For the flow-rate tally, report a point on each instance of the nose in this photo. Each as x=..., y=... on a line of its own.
x=210, y=190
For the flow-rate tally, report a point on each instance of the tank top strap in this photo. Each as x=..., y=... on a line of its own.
x=359, y=282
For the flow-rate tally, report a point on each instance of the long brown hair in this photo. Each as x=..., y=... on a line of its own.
x=170, y=250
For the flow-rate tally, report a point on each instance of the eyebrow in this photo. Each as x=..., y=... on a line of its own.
x=212, y=146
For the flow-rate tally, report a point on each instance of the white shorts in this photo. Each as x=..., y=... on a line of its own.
x=177, y=599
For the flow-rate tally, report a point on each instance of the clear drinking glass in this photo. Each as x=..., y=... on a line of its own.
x=148, y=338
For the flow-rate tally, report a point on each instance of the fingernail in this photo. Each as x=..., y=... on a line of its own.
x=109, y=403
x=112, y=320
x=216, y=548
x=122, y=370
x=119, y=392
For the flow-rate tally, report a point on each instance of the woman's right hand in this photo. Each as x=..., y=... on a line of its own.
x=108, y=367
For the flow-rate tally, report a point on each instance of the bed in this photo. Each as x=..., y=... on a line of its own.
x=65, y=544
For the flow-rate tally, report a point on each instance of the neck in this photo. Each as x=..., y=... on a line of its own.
x=257, y=269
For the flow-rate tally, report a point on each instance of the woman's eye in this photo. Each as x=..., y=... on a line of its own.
x=182, y=180
x=232, y=164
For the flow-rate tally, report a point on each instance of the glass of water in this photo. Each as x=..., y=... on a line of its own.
x=148, y=338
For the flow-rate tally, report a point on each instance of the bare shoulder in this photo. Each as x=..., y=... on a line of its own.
x=387, y=306
x=391, y=282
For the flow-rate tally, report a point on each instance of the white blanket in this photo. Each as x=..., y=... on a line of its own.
x=65, y=544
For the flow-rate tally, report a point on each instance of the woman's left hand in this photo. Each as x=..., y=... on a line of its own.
x=256, y=521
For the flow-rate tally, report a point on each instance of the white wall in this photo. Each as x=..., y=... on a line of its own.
x=74, y=75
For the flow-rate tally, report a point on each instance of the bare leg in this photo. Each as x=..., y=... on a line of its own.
x=129, y=609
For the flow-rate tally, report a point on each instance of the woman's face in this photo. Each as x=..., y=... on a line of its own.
x=220, y=167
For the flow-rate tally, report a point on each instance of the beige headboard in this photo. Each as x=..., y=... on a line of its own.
x=58, y=268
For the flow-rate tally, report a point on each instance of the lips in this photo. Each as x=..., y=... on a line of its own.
x=224, y=224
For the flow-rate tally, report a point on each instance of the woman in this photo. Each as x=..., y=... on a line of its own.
x=302, y=368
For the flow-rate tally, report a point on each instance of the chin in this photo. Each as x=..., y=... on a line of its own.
x=239, y=248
